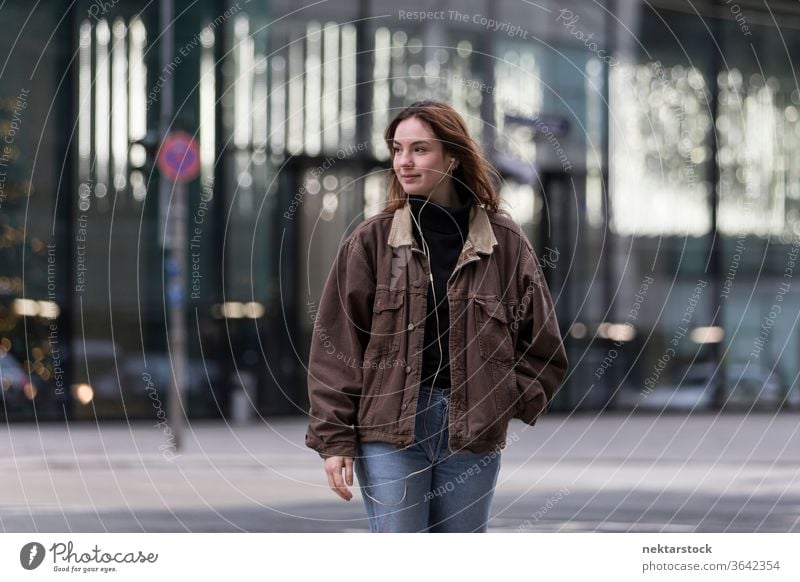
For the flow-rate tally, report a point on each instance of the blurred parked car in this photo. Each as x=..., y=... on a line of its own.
x=144, y=388
x=14, y=380
x=757, y=386
x=690, y=389
x=748, y=385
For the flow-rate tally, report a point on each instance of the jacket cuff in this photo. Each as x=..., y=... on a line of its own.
x=337, y=449
x=531, y=403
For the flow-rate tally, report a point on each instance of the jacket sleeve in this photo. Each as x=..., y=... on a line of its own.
x=340, y=335
x=541, y=360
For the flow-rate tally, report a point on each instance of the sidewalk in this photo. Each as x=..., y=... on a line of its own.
x=568, y=473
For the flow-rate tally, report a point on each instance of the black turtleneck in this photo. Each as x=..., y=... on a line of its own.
x=445, y=231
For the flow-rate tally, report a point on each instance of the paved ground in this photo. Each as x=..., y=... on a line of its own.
x=578, y=473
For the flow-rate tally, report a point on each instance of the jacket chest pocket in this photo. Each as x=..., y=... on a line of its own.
x=387, y=322
x=494, y=336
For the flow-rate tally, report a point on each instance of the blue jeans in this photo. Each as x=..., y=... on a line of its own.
x=425, y=487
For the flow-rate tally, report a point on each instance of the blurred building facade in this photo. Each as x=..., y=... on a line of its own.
x=647, y=150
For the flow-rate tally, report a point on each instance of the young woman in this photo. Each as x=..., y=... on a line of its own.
x=435, y=329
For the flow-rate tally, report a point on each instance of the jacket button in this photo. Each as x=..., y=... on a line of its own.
x=405, y=405
x=408, y=369
x=410, y=326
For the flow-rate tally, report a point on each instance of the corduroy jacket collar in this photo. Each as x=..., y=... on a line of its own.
x=480, y=237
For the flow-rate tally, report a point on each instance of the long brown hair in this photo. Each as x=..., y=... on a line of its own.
x=473, y=171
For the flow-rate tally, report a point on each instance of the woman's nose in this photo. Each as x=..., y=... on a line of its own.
x=405, y=159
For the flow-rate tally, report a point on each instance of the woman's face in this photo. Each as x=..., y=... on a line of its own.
x=419, y=159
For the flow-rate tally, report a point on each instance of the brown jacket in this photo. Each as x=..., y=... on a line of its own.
x=507, y=358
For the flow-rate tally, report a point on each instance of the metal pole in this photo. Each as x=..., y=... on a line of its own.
x=176, y=291
x=715, y=263
x=175, y=244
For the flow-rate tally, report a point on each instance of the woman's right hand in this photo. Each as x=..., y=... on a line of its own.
x=333, y=469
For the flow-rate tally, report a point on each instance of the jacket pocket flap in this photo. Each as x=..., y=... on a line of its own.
x=388, y=300
x=492, y=307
